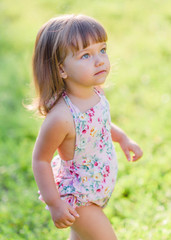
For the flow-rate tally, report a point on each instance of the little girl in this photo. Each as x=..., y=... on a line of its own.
x=69, y=65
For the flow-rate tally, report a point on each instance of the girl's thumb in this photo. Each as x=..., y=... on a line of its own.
x=127, y=154
x=73, y=212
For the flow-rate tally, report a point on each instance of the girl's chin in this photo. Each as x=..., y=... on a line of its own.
x=100, y=81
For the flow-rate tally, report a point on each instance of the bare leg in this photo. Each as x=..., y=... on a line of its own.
x=74, y=235
x=93, y=224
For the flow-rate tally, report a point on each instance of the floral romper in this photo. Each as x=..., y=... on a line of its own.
x=90, y=176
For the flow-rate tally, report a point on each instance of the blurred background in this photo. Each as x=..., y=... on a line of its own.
x=138, y=89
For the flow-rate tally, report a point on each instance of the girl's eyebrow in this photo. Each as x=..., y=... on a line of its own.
x=90, y=47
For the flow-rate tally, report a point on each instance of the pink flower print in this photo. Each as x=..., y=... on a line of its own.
x=99, y=120
x=86, y=162
x=104, y=180
x=91, y=112
x=106, y=138
x=57, y=183
x=72, y=167
x=61, y=185
x=100, y=187
x=100, y=146
x=90, y=120
x=103, y=131
x=84, y=131
x=53, y=164
x=76, y=148
x=107, y=169
x=77, y=175
x=96, y=164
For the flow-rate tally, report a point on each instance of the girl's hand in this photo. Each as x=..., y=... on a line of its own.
x=63, y=215
x=128, y=146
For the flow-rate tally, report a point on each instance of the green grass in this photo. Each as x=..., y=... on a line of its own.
x=138, y=89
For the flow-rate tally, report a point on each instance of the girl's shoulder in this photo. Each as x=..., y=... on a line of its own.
x=56, y=127
x=59, y=116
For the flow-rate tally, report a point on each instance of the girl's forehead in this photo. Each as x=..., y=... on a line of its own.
x=80, y=45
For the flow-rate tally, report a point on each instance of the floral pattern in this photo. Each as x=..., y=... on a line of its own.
x=90, y=176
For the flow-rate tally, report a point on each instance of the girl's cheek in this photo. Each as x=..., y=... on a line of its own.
x=108, y=63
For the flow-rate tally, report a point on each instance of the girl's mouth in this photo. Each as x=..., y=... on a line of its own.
x=100, y=72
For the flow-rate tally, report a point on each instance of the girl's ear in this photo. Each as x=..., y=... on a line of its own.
x=62, y=72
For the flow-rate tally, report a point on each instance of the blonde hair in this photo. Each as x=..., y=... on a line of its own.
x=52, y=43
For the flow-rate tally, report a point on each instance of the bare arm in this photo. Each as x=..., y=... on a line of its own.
x=52, y=133
x=117, y=133
x=50, y=137
x=127, y=144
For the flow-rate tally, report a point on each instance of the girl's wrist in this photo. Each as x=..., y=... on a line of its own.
x=123, y=138
x=118, y=135
x=55, y=203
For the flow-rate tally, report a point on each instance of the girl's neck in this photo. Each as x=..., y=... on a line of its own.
x=82, y=93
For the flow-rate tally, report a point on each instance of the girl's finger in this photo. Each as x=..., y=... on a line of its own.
x=61, y=225
x=68, y=223
x=137, y=154
x=70, y=218
x=127, y=154
x=73, y=212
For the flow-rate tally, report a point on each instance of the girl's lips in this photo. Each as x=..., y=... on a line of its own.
x=100, y=72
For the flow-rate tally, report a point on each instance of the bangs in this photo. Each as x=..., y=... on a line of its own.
x=85, y=31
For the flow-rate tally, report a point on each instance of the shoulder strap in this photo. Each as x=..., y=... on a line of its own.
x=74, y=110
x=98, y=92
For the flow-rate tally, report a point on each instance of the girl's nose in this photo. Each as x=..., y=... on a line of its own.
x=98, y=61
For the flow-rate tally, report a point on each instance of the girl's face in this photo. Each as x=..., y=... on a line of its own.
x=86, y=67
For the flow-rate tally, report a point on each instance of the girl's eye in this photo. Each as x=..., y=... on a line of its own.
x=85, y=56
x=103, y=50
